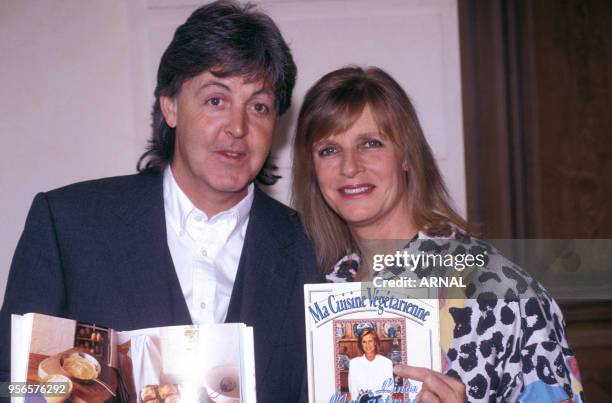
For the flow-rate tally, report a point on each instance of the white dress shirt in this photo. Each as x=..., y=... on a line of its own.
x=205, y=251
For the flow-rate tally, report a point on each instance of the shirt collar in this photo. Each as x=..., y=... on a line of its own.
x=178, y=207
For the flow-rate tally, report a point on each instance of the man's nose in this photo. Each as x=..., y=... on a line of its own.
x=351, y=164
x=237, y=125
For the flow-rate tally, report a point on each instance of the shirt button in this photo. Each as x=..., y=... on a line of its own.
x=203, y=305
x=204, y=253
x=198, y=218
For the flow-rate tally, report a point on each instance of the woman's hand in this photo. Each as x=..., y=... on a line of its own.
x=436, y=387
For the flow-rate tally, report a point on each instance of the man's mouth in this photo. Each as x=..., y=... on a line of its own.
x=231, y=154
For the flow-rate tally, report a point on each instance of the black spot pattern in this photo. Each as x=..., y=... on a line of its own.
x=434, y=247
x=485, y=322
x=462, y=318
x=486, y=301
x=544, y=371
x=494, y=343
x=516, y=351
x=486, y=276
x=470, y=290
x=560, y=368
x=494, y=380
x=467, y=357
x=534, y=313
x=527, y=357
x=507, y=315
x=477, y=386
x=454, y=374
x=505, y=381
x=546, y=308
x=521, y=283
x=558, y=327
x=508, y=349
x=568, y=389
x=510, y=296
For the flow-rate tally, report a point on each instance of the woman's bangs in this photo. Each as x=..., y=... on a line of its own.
x=337, y=117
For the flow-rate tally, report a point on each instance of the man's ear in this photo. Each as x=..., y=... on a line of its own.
x=168, y=109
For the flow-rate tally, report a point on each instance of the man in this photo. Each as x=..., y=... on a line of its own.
x=189, y=239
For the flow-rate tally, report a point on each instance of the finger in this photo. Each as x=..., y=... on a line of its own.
x=420, y=374
x=425, y=396
x=434, y=383
x=446, y=387
x=408, y=371
x=456, y=386
x=455, y=383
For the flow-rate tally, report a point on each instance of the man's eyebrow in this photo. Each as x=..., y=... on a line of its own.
x=212, y=83
x=264, y=91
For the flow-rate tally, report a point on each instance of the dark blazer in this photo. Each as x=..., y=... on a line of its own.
x=97, y=252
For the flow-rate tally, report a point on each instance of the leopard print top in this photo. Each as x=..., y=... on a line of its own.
x=506, y=340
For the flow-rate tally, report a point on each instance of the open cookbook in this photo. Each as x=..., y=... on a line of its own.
x=72, y=361
x=356, y=333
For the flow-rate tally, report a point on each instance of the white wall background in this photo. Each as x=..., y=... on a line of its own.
x=77, y=79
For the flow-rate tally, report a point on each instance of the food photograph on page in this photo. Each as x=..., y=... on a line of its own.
x=68, y=361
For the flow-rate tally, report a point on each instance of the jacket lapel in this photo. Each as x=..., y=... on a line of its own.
x=266, y=278
x=145, y=274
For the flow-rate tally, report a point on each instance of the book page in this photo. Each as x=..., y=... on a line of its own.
x=198, y=363
x=67, y=352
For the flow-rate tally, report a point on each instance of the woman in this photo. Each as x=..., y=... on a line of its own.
x=362, y=171
x=370, y=371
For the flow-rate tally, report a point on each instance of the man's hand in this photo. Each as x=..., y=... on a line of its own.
x=437, y=388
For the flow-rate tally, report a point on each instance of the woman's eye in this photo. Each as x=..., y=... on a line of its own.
x=214, y=101
x=372, y=143
x=325, y=151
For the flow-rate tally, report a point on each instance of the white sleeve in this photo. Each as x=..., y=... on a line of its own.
x=351, y=380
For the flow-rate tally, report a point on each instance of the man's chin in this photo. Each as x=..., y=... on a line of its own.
x=233, y=187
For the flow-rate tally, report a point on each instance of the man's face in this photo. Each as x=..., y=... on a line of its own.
x=224, y=132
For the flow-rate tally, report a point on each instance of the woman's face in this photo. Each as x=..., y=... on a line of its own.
x=361, y=177
x=368, y=344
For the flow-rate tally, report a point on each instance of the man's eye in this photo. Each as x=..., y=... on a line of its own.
x=214, y=101
x=325, y=151
x=261, y=108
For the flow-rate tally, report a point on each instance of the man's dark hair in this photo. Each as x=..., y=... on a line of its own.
x=227, y=39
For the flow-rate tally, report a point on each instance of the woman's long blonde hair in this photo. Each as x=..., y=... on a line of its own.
x=330, y=107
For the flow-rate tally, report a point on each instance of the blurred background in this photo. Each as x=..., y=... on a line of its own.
x=514, y=98
x=537, y=91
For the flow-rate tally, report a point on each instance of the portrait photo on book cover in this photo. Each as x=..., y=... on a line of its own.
x=365, y=352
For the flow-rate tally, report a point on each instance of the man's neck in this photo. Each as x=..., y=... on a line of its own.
x=211, y=203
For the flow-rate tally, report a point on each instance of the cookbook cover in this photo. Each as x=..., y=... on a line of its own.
x=356, y=333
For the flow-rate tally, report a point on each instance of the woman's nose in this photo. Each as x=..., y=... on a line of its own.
x=351, y=164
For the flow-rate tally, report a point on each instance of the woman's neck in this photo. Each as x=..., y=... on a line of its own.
x=399, y=225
